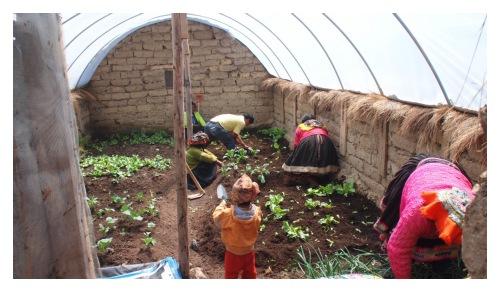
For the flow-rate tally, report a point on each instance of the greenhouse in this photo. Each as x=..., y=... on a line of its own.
x=321, y=145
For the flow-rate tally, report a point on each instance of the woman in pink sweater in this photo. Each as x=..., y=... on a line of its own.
x=424, y=203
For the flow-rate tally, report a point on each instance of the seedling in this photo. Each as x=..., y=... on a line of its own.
x=276, y=134
x=345, y=189
x=103, y=244
x=115, y=199
x=100, y=213
x=92, y=202
x=311, y=204
x=293, y=232
x=328, y=220
x=103, y=229
x=148, y=240
x=260, y=171
x=236, y=155
x=139, y=197
x=274, y=205
x=150, y=226
x=151, y=208
x=321, y=191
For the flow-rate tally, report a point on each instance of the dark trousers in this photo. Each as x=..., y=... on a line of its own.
x=216, y=132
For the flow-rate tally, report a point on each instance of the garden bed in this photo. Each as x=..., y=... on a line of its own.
x=330, y=223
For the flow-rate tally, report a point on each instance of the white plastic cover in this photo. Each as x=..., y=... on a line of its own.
x=362, y=52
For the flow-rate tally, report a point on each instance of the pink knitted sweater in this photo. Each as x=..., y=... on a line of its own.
x=411, y=225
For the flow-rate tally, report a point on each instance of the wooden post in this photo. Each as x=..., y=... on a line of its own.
x=343, y=129
x=187, y=81
x=52, y=237
x=381, y=132
x=179, y=25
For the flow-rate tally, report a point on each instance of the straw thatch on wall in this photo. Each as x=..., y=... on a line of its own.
x=429, y=123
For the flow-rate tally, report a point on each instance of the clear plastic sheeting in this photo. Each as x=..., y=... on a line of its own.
x=438, y=59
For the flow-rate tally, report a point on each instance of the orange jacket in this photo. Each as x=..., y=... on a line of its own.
x=238, y=235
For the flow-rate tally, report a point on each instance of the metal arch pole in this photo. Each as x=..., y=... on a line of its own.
x=357, y=51
x=86, y=29
x=272, y=51
x=293, y=56
x=126, y=34
x=76, y=14
x=69, y=67
x=323, y=48
x=425, y=57
x=265, y=55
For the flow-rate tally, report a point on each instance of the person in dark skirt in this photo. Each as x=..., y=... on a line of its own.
x=202, y=162
x=314, y=158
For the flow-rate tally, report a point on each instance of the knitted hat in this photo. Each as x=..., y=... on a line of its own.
x=244, y=190
x=199, y=138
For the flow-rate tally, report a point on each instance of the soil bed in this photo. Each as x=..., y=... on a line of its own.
x=276, y=254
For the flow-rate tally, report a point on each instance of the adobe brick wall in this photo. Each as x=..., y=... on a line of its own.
x=360, y=162
x=131, y=93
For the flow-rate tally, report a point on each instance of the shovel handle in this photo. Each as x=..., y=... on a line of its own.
x=198, y=186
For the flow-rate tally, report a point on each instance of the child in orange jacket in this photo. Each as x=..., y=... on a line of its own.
x=239, y=224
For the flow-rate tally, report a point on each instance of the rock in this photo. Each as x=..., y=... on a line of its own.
x=194, y=245
x=197, y=273
x=474, y=236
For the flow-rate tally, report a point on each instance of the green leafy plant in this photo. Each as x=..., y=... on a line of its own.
x=134, y=138
x=148, y=240
x=119, y=166
x=151, y=208
x=237, y=155
x=261, y=171
x=273, y=203
x=100, y=213
x=321, y=191
x=150, y=226
x=276, y=134
x=116, y=199
x=111, y=221
x=294, y=232
x=131, y=213
x=311, y=204
x=103, y=244
x=92, y=202
x=228, y=168
x=345, y=189
x=104, y=229
x=139, y=197
x=328, y=220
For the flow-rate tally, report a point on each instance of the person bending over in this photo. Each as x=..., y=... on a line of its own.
x=226, y=128
x=422, y=212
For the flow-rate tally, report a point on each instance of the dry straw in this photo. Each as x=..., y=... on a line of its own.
x=429, y=123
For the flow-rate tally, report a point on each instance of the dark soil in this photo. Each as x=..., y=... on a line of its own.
x=275, y=254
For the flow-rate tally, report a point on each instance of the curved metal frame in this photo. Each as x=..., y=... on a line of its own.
x=92, y=24
x=69, y=67
x=136, y=28
x=289, y=51
x=323, y=48
x=425, y=57
x=272, y=51
x=237, y=30
x=357, y=51
x=117, y=40
x=76, y=14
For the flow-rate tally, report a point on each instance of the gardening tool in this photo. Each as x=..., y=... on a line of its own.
x=221, y=192
x=198, y=186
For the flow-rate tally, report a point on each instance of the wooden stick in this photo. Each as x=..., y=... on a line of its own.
x=179, y=25
x=191, y=174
